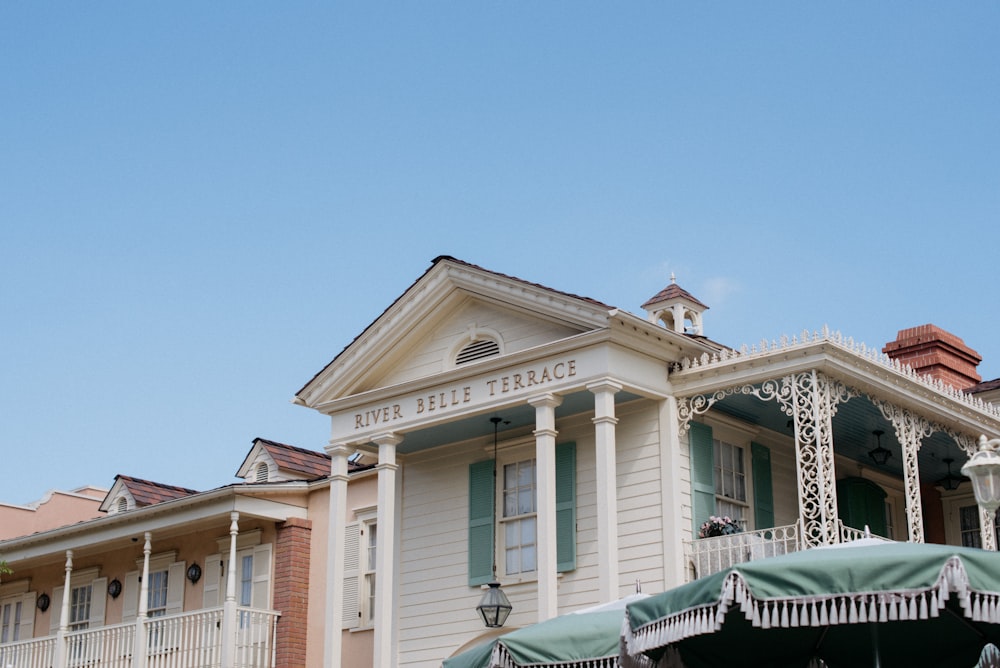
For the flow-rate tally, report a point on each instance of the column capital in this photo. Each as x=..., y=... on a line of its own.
x=388, y=438
x=605, y=385
x=547, y=400
x=338, y=449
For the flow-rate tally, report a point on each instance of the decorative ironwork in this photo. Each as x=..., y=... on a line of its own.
x=873, y=355
x=911, y=429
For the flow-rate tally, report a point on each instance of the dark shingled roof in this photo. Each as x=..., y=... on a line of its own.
x=147, y=493
x=984, y=386
x=308, y=462
x=672, y=291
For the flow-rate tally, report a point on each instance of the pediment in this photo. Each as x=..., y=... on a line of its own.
x=452, y=304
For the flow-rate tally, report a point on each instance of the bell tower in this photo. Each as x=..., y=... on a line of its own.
x=676, y=309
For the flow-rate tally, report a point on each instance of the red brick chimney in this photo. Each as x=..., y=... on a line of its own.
x=933, y=352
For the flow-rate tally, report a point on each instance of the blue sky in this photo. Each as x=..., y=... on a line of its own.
x=201, y=204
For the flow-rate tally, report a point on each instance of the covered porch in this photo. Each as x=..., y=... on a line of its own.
x=832, y=403
x=239, y=637
x=187, y=582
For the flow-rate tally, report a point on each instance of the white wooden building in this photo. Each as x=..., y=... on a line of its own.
x=565, y=447
x=617, y=436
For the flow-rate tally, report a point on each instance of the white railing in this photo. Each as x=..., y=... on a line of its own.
x=36, y=653
x=191, y=639
x=171, y=641
x=711, y=555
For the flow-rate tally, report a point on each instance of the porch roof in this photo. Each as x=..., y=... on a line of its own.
x=175, y=516
x=724, y=378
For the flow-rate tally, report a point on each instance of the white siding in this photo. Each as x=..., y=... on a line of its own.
x=437, y=607
x=432, y=355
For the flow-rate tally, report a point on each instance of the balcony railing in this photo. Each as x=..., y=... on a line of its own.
x=183, y=640
x=711, y=555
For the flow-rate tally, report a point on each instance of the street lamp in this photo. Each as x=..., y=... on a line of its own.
x=983, y=468
x=494, y=607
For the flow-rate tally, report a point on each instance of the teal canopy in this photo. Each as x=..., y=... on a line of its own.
x=586, y=639
x=884, y=604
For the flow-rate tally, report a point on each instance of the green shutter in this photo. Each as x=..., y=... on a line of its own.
x=565, y=507
x=481, y=494
x=763, y=497
x=702, y=473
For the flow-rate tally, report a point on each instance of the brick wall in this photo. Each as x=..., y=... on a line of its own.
x=291, y=591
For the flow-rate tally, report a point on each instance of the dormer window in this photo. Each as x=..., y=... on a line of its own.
x=261, y=472
x=477, y=350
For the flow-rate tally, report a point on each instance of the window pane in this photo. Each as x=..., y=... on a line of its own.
x=512, y=561
x=527, y=531
x=246, y=580
x=528, y=559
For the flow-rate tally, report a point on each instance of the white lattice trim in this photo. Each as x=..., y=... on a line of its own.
x=818, y=611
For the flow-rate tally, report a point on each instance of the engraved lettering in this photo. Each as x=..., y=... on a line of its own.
x=420, y=406
x=572, y=367
x=397, y=411
x=546, y=377
x=492, y=384
x=518, y=385
x=557, y=371
x=357, y=421
x=467, y=397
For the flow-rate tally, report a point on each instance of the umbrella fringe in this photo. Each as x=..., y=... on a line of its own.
x=501, y=658
x=817, y=611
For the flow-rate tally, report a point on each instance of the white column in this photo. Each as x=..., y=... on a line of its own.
x=229, y=626
x=607, y=486
x=545, y=485
x=385, y=551
x=147, y=549
x=672, y=501
x=336, y=527
x=139, y=646
x=61, y=659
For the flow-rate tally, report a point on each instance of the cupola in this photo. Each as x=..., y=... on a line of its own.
x=676, y=309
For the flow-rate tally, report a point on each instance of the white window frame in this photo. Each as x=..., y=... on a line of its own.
x=739, y=478
x=514, y=451
x=516, y=518
x=12, y=615
x=87, y=577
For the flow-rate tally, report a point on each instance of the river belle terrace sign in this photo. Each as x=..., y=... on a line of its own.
x=467, y=395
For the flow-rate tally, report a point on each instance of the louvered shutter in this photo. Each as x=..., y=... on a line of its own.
x=55, y=608
x=130, y=593
x=352, y=575
x=175, y=587
x=702, y=482
x=261, y=594
x=763, y=498
x=211, y=595
x=566, y=507
x=98, y=601
x=481, y=518
x=27, y=631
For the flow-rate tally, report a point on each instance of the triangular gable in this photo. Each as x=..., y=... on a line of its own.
x=142, y=492
x=449, y=297
x=292, y=462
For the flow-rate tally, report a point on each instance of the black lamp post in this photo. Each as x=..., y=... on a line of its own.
x=494, y=608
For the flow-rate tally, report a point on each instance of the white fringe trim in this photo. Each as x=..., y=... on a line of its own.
x=501, y=658
x=818, y=611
